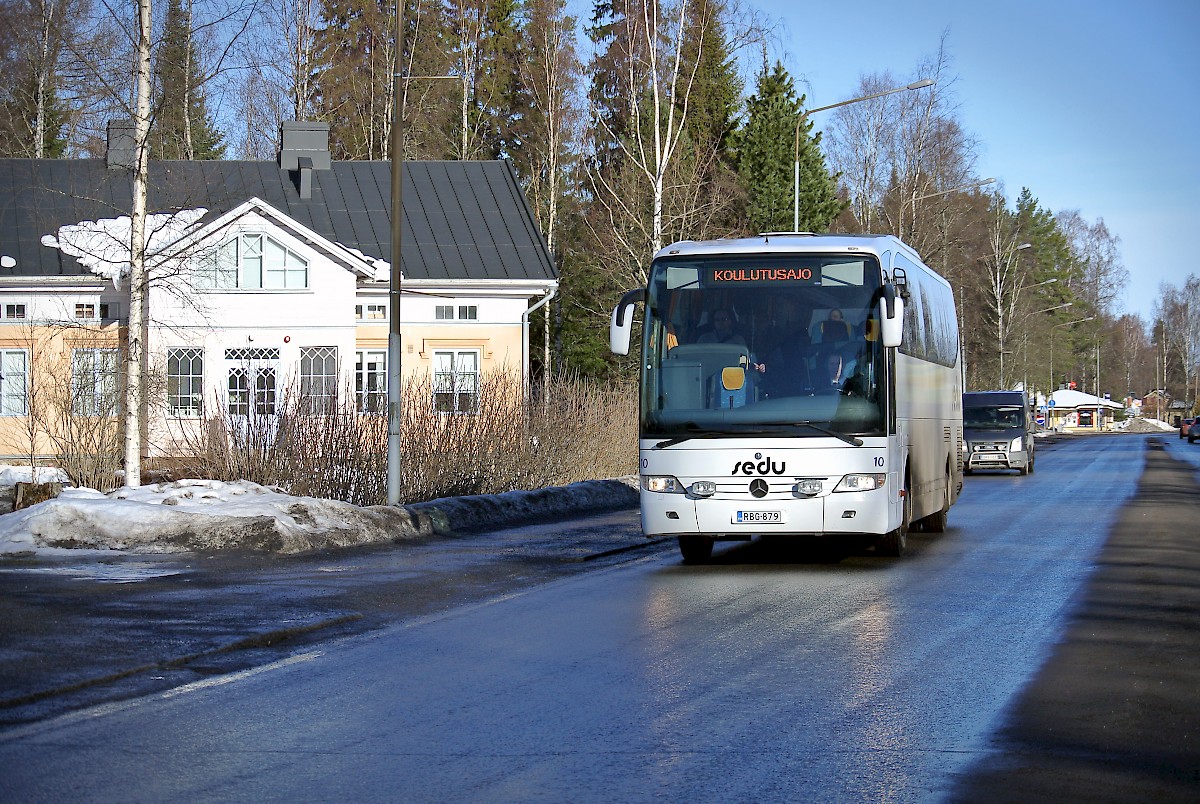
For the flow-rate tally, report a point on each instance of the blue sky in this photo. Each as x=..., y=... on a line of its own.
x=1092, y=105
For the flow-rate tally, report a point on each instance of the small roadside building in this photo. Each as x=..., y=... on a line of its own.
x=1075, y=411
x=264, y=275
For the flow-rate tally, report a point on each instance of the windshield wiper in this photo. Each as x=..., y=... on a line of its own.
x=695, y=431
x=843, y=437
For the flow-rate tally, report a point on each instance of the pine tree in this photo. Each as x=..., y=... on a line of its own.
x=716, y=95
x=355, y=48
x=182, y=126
x=767, y=155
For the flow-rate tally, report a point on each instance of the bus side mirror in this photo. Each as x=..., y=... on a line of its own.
x=891, y=317
x=620, y=327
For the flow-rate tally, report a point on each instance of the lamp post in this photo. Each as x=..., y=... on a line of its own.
x=1056, y=326
x=915, y=198
x=927, y=82
x=1025, y=335
x=998, y=293
x=396, y=275
x=394, y=394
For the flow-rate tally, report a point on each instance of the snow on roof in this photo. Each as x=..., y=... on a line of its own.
x=1066, y=398
x=103, y=245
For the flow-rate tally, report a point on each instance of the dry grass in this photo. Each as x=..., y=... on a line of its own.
x=575, y=430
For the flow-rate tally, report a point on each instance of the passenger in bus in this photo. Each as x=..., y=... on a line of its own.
x=831, y=372
x=785, y=371
x=723, y=330
x=694, y=325
x=834, y=328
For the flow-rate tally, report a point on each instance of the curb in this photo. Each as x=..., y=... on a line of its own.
x=471, y=514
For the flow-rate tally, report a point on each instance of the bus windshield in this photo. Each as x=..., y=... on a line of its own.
x=784, y=343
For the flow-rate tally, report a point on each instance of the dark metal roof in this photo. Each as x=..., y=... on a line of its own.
x=462, y=220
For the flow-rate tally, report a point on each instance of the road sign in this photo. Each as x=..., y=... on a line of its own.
x=1050, y=403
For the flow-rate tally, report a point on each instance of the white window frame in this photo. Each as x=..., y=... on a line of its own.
x=185, y=389
x=370, y=312
x=14, y=377
x=370, y=381
x=95, y=386
x=319, y=378
x=243, y=262
x=443, y=312
x=15, y=311
x=468, y=312
x=456, y=381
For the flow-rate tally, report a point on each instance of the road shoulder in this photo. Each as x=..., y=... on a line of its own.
x=1114, y=714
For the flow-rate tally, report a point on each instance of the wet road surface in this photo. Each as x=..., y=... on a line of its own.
x=776, y=673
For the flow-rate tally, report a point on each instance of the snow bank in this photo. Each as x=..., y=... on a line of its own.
x=207, y=515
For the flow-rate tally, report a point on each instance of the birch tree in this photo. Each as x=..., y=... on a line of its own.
x=550, y=74
x=138, y=330
x=36, y=34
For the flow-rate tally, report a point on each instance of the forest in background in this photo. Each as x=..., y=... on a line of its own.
x=646, y=123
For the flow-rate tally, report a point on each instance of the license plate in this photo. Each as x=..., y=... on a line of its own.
x=758, y=517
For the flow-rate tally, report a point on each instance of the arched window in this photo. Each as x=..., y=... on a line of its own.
x=253, y=261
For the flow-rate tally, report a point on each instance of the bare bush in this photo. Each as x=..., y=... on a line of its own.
x=589, y=431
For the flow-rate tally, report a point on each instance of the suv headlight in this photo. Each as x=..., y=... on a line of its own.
x=865, y=482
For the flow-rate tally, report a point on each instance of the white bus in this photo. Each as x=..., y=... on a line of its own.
x=795, y=384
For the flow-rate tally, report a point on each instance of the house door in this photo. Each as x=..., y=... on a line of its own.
x=252, y=375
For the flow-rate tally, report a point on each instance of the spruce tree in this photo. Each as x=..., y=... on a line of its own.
x=766, y=158
x=182, y=126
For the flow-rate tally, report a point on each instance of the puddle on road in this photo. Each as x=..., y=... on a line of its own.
x=123, y=572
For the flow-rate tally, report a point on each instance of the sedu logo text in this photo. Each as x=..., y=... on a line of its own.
x=759, y=466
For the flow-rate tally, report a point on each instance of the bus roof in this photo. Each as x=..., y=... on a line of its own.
x=799, y=242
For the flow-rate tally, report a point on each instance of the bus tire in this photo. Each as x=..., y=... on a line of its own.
x=892, y=544
x=695, y=549
x=936, y=523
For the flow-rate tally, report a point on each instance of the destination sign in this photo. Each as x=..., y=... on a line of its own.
x=724, y=275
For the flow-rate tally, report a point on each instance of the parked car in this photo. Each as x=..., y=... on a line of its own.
x=1194, y=431
x=1184, y=425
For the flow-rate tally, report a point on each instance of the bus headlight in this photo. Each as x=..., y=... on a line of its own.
x=703, y=488
x=665, y=484
x=864, y=482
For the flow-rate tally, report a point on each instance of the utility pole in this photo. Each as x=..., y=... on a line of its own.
x=395, y=395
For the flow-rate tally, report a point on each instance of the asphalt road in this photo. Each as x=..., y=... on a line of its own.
x=1039, y=650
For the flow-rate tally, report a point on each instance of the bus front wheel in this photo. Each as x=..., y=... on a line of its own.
x=695, y=549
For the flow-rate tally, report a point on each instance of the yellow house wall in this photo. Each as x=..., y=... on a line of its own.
x=499, y=345
x=48, y=369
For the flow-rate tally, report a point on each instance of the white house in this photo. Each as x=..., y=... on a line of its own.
x=266, y=274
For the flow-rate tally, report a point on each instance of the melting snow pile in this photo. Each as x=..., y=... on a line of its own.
x=200, y=515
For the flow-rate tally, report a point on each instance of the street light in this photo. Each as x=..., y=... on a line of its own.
x=998, y=291
x=915, y=198
x=1056, y=326
x=927, y=82
x=396, y=275
x=1025, y=335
